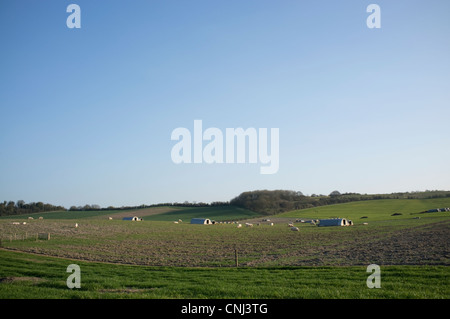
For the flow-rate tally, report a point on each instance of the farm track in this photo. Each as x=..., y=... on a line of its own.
x=138, y=212
x=186, y=245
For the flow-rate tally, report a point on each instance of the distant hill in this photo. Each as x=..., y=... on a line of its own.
x=278, y=201
x=246, y=205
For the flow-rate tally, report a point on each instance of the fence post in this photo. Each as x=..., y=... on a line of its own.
x=44, y=236
x=236, y=257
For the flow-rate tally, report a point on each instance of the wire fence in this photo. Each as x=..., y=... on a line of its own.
x=23, y=236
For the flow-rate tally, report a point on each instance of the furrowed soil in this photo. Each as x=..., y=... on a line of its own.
x=408, y=242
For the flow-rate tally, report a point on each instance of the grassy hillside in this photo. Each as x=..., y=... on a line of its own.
x=164, y=213
x=220, y=213
x=269, y=202
x=373, y=209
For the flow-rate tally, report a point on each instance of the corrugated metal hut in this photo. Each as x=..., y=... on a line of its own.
x=333, y=222
x=202, y=221
x=134, y=218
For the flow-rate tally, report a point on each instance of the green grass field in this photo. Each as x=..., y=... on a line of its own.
x=32, y=276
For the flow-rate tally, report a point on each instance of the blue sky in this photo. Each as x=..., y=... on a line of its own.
x=87, y=114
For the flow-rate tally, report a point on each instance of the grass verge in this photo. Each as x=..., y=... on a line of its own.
x=30, y=276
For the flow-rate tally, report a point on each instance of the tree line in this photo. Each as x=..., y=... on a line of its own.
x=20, y=208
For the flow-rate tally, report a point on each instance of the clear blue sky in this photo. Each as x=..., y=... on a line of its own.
x=87, y=114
